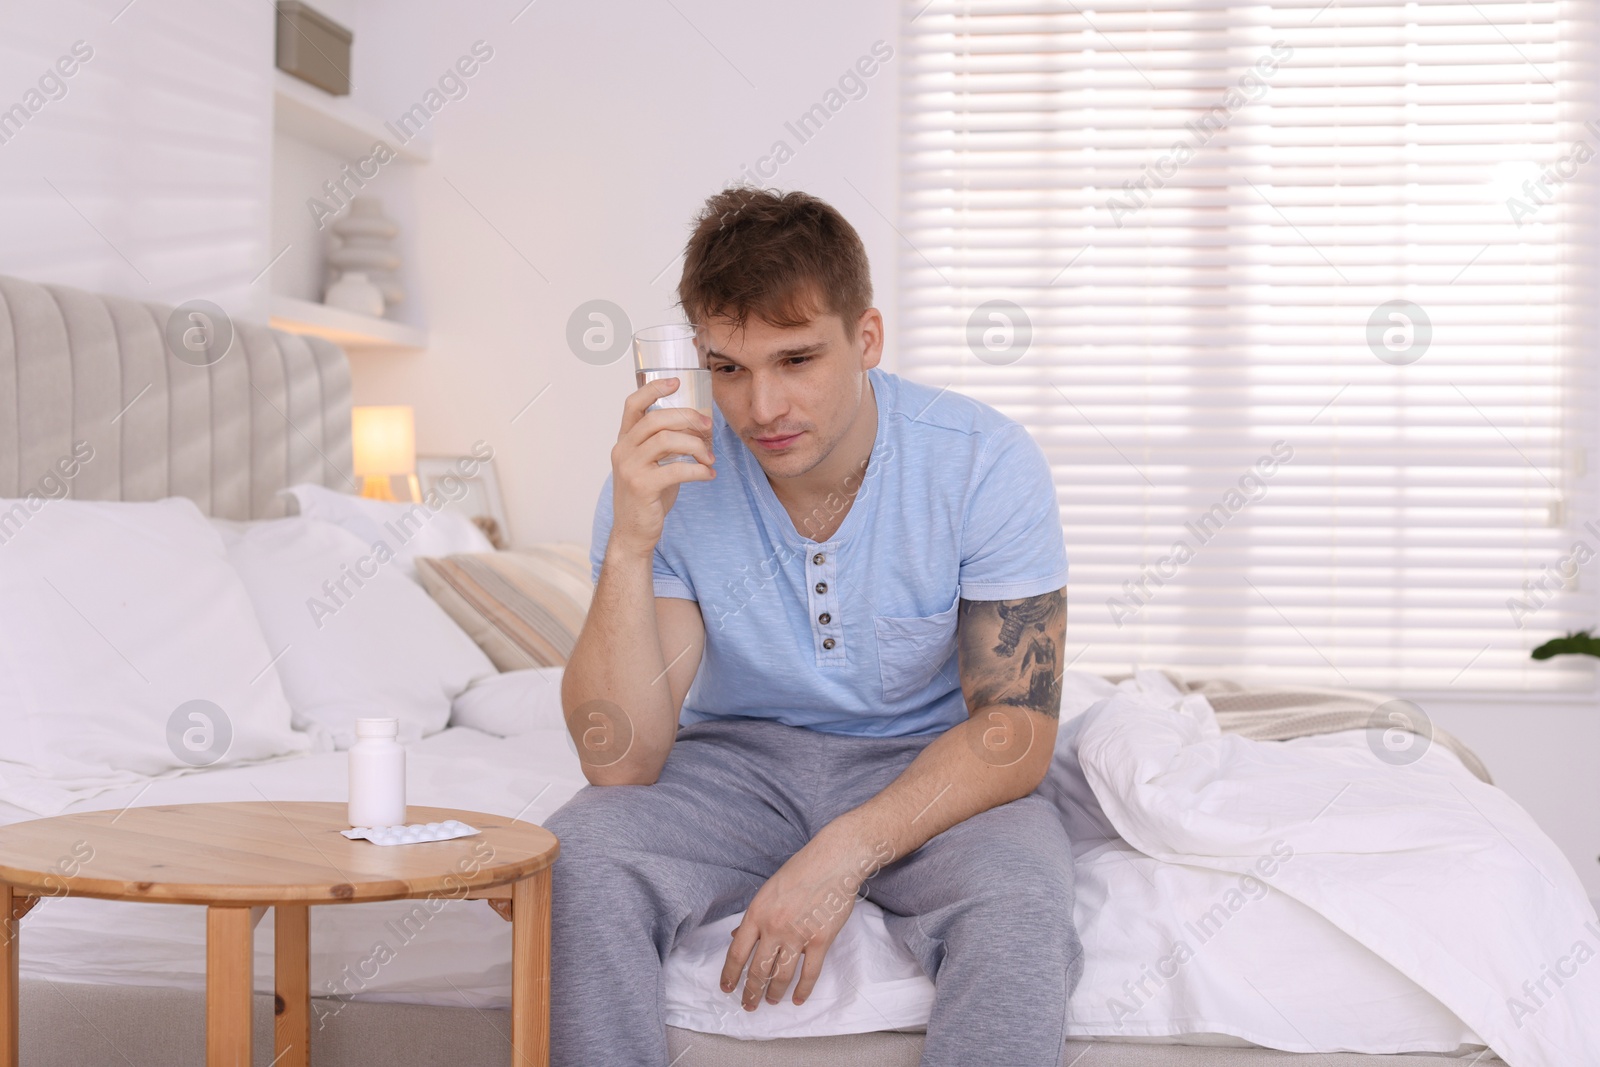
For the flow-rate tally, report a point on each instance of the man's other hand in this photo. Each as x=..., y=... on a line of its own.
x=797, y=914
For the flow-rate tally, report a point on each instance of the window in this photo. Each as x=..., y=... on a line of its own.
x=1297, y=298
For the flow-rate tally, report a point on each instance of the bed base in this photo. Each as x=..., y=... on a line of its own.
x=70, y=1025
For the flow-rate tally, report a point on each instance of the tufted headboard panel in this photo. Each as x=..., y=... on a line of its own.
x=77, y=367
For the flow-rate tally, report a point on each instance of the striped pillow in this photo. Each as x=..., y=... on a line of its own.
x=524, y=608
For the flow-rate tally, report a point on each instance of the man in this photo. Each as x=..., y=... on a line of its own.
x=855, y=604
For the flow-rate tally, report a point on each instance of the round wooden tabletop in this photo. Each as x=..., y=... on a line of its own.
x=260, y=853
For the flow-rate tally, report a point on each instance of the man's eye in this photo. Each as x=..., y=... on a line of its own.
x=799, y=359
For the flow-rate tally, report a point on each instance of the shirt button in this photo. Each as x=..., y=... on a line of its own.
x=824, y=618
x=818, y=558
x=827, y=642
x=822, y=587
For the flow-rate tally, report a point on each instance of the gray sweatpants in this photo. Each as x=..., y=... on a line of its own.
x=985, y=907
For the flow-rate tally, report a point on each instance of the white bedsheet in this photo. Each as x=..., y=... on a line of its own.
x=1328, y=991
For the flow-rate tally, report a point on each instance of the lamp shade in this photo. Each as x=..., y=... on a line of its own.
x=384, y=440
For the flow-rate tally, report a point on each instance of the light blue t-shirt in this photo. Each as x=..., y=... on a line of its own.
x=857, y=634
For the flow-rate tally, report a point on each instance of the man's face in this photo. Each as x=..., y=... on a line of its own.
x=791, y=394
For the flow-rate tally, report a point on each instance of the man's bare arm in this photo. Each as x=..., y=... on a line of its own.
x=1009, y=653
x=629, y=672
x=631, y=667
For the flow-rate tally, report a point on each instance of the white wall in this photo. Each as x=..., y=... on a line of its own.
x=149, y=177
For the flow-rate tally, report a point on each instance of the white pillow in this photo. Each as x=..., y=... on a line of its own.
x=115, y=617
x=430, y=528
x=356, y=638
x=512, y=702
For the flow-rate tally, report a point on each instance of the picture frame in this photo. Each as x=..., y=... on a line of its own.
x=482, y=502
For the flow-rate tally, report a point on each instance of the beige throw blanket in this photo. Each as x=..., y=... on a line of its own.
x=1278, y=713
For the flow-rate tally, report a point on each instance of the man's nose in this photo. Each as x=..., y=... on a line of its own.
x=767, y=400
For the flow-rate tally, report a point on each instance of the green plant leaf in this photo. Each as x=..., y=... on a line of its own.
x=1578, y=643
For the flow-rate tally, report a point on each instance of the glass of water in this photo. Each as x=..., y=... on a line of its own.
x=670, y=352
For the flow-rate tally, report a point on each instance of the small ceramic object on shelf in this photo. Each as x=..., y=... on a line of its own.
x=366, y=244
x=353, y=292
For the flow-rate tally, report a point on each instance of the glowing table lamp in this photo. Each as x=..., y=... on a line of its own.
x=385, y=443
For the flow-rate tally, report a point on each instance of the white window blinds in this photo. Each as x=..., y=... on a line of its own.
x=1296, y=297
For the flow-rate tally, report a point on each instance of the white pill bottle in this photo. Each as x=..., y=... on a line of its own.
x=377, y=774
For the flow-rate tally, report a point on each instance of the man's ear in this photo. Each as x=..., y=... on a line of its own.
x=869, y=334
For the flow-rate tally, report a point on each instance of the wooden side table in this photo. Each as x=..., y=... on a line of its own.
x=240, y=859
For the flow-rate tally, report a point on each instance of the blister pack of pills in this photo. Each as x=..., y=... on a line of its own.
x=409, y=835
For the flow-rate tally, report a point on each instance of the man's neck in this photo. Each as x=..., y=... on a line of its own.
x=843, y=470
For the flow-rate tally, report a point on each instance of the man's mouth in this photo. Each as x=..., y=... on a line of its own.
x=775, y=444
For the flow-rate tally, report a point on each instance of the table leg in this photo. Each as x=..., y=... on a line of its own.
x=530, y=971
x=9, y=931
x=291, y=933
x=230, y=980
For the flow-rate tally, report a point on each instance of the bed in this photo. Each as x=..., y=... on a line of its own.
x=116, y=984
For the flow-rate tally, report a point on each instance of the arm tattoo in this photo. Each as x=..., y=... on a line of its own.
x=1010, y=651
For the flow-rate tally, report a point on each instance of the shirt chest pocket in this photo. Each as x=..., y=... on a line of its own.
x=911, y=649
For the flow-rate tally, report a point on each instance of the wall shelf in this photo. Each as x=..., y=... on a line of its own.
x=333, y=122
x=345, y=328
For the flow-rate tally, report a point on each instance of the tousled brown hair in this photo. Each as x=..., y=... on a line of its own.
x=776, y=256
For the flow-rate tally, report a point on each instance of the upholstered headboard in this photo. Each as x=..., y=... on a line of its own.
x=77, y=367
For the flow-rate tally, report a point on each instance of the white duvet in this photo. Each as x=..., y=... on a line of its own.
x=1411, y=908
x=1441, y=875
